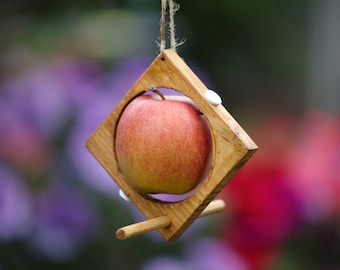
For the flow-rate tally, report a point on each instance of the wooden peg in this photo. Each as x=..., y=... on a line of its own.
x=143, y=227
x=162, y=222
x=213, y=207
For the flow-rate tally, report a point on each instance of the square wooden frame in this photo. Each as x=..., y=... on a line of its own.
x=231, y=145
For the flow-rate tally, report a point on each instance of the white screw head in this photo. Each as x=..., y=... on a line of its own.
x=212, y=97
x=123, y=196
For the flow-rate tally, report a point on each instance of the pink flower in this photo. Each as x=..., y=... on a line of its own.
x=23, y=145
x=313, y=165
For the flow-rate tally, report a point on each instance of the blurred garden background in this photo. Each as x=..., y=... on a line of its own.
x=64, y=65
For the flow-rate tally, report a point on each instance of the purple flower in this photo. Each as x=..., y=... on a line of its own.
x=15, y=206
x=92, y=115
x=87, y=166
x=125, y=74
x=79, y=80
x=165, y=263
x=209, y=254
x=65, y=221
x=204, y=254
x=47, y=95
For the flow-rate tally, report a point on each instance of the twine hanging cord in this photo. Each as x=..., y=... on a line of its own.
x=173, y=8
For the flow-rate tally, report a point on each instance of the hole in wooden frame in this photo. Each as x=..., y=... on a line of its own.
x=174, y=94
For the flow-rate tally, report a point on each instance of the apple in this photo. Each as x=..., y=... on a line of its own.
x=163, y=145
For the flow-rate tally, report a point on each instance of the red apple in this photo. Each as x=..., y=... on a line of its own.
x=163, y=146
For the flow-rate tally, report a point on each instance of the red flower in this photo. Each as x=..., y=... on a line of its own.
x=262, y=206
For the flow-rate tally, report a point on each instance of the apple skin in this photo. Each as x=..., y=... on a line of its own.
x=163, y=146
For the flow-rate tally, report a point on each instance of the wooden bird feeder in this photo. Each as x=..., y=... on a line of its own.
x=232, y=148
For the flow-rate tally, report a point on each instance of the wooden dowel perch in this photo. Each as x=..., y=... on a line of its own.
x=163, y=222
x=143, y=227
x=213, y=207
